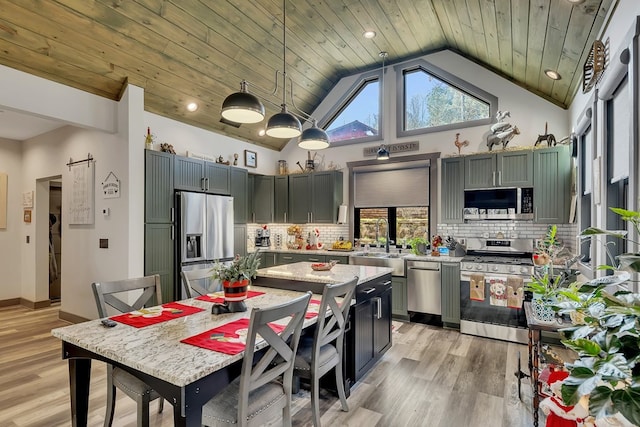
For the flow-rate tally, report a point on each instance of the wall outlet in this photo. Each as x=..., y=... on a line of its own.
x=104, y=244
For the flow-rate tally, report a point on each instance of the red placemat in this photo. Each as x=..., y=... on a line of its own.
x=229, y=338
x=150, y=316
x=220, y=300
x=312, y=311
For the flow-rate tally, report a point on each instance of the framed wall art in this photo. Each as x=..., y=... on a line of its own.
x=250, y=159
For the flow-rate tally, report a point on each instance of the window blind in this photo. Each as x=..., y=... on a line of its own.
x=620, y=131
x=392, y=188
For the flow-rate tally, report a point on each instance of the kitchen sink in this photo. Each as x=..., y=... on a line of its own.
x=381, y=259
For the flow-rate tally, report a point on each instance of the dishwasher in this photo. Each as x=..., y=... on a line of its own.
x=423, y=287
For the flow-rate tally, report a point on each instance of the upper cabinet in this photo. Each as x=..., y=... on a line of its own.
x=262, y=200
x=315, y=197
x=506, y=169
x=281, y=199
x=202, y=176
x=551, y=192
x=452, y=190
x=238, y=187
x=158, y=187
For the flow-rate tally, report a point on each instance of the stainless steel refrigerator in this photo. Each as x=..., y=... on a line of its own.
x=205, y=231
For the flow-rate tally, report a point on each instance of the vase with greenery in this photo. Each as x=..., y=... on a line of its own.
x=236, y=278
x=419, y=245
x=606, y=337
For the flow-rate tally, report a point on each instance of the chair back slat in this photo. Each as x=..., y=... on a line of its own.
x=105, y=293
x=331, y=325
x=192, y=279
x=278, y=359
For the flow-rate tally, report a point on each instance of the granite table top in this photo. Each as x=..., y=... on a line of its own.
x=301, y=271
x=156, y=350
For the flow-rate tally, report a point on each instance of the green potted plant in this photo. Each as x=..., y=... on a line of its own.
x=419, y=245
x=606, y=337
x=236, y=277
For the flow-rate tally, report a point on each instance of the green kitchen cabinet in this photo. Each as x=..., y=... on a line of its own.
x=450, y=288
x=262, y=203
x=281, y=199
x=159, y=256
x=288, y=258
x=452, y=194
x=506, y=169
x=551, y=193
x=344, y=260
x=399, y=298
x=240, y=239
x=199, y=175
x=158, y=187
x=315, y=197
x=268, y=259
x=239, y=191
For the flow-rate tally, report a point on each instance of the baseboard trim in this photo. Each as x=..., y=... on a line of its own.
x=72, y=318
x=9, y=302
x=35, y=305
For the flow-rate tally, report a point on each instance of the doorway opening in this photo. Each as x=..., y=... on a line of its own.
x=55, y=239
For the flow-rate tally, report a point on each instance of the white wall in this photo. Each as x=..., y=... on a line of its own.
x=11, y=237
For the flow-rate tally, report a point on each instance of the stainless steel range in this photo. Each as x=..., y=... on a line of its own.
x=492, y=280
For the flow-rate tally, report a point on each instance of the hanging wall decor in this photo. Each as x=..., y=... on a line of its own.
x=111, y=187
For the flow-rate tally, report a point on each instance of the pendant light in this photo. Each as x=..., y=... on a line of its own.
x=314, y=138
x=284, y=124
x=383, y=153
x=243, y=107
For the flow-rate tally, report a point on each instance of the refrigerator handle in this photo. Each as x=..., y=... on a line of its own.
x=172, y=214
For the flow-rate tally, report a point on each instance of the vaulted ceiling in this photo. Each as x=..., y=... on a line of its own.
x=199, y=50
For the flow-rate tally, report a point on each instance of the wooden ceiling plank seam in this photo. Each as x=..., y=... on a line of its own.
x=427, y=40
x=132, y=60
x=372, y=14
x=505, y=42
x=598, y=22
x=456, y=29
x=64, y=73
x=392, y=11
x=488, y=13
x=443, y=18
x=559, y=14
x=582, y=23
x=539, y=16
x=519, y=31
x=471, y=11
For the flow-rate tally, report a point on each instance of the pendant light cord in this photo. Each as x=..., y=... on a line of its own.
x=284, y=53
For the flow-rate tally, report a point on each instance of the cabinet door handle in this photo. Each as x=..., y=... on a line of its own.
x=493, y=178
x=499, y=177
x=368, y=290
x=378, y=308
x=388, y=282
x=285, y=217
x=172, y=210
x=311, y=216
x=202, y=184
x=206, y=180
x=173, y=232
x=314, y=259
x=253, y=216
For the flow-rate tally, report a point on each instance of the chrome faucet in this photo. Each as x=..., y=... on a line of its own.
x=386, y=243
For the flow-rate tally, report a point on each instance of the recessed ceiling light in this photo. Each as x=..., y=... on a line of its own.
x=369, y=34
x=192, y=106
x=553, y=75
x=261, y=132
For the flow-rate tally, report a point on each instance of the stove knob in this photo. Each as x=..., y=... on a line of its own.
x=524, y=270
x=494, y=268
x=512, y=269
x=478, y=267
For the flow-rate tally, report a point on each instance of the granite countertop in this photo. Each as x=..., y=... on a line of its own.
x=406, y=255
x=301, y=271
x=156, y=350
x=442, y=258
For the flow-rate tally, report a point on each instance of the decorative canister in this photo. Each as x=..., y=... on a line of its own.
x=283, y=169
x=542, y=310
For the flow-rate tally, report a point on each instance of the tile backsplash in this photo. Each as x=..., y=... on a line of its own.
x=567, y=233
x=328, y=233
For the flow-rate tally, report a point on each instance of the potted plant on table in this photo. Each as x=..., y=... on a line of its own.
x=606, y=338
x=236, y=278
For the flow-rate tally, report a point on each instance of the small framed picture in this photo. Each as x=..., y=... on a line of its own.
x=250, y=159
x=27, y=215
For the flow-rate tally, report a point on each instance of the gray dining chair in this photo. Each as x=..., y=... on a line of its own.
x=107, y=293
x=324, y=353
x=262, y=393
x=198, y=282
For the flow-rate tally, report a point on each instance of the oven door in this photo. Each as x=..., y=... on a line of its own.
x=493, y=299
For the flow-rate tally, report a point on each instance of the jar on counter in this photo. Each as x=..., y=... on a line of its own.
x=283, y=169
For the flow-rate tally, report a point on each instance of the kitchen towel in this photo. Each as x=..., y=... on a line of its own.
x=476, y=287
x=218, y=297
x=498, y=289
x=152, y=315
x=515, y=292
x=230, y=338
x=312, y=311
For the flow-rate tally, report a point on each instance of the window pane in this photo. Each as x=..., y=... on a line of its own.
x=360, y=117
x=430, y=102
x=411, y=222
x=369, y=222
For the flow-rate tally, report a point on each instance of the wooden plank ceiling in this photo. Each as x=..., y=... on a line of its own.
x=199, y=50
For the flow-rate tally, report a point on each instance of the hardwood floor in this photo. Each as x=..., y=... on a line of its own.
x=430, y=377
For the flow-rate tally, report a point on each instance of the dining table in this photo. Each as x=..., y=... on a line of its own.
x=186, y=375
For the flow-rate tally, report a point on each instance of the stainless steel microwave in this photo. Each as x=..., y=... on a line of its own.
x=499, y=203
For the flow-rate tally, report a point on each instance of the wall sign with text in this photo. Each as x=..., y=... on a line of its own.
x=401, y=147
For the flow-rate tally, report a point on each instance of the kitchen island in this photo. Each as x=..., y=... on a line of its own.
x=368, y=333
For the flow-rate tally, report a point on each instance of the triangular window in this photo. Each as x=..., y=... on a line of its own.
x=358, y=117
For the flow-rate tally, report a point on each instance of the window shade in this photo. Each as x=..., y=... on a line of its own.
x=392, y=188
x=621, y=122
